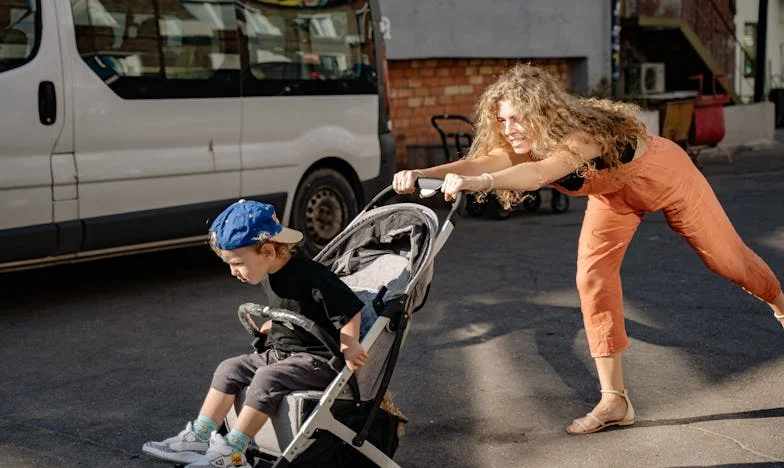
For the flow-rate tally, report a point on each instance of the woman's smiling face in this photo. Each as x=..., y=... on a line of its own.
x=512, y=129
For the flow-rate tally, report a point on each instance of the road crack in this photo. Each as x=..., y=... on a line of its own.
x=739, y=443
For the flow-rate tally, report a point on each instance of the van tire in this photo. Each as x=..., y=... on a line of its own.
x=323, y=206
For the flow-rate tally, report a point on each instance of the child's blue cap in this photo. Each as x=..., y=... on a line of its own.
x=249, y=222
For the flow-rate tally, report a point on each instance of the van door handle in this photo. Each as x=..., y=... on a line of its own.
x=47, y=103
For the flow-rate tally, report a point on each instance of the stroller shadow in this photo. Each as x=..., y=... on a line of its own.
x=735, y=465
x=756, y=414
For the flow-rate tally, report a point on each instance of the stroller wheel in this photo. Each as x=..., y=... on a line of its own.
x=559, y=202
x=474, y=207
x=499, y=211
x=532, y=201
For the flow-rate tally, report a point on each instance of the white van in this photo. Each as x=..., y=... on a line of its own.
x=126, y=126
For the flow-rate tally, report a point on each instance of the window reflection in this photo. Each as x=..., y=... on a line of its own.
x=146, y=49
x=296, y=43
x=172, y=39
x=18, y=32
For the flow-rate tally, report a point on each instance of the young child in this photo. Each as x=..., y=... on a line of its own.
x=249, y=238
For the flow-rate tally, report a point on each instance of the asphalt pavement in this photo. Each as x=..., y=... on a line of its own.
x=97, y=358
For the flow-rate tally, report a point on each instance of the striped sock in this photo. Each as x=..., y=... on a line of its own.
x=237, y=440
x=203, y=427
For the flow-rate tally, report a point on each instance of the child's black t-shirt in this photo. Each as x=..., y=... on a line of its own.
x=321, y=297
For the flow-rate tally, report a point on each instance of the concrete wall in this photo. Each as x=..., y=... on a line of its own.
x=744, y=125
x=651, y=121
x=748, y=125
x=578, y=29
x=748, y=13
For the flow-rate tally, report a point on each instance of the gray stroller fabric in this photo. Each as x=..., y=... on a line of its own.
x=389, y=246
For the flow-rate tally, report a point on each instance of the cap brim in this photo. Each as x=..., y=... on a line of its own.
x=287, y=236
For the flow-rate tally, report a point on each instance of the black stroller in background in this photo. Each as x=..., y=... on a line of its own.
x=462, y=138
x=386, y=256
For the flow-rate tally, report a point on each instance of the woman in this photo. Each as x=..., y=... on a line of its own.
x=531, y=133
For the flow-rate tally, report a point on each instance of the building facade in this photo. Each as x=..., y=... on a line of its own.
x=746, y=26
x=443, y=53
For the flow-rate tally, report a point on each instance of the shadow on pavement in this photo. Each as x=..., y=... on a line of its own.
x=756, y=414
x=734, y=465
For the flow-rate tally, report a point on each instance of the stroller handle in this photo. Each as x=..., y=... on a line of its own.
x=426, y=186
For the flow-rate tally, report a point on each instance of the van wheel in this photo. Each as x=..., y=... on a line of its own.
x=324, y=205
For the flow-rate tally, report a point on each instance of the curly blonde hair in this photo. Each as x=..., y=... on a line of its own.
x=550, y=113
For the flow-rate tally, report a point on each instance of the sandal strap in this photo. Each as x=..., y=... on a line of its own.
x=625, y=395
x=582, y=424
x=779, y=316
x=599, y=421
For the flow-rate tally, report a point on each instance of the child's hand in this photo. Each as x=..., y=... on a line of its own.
x=355, y=355
x=265, y=327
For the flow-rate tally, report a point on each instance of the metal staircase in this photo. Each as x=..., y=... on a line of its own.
x=690, y=37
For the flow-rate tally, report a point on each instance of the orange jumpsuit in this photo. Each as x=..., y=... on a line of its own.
x=662, y=178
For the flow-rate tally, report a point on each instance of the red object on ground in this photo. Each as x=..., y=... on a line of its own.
x=707, y=127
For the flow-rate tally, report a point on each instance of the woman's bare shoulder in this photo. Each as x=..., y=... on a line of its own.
x=582, y=144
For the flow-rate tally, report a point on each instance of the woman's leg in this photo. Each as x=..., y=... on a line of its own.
x=696, y=214
x=604, y=238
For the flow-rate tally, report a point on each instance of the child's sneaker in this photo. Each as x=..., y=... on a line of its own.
x=220, y=454
x=185, y=447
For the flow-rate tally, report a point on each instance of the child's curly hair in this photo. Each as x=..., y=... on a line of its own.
x=549, y=113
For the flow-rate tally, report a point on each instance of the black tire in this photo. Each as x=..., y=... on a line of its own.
x=532, y=202
x=323, y=206
x=475, y=208
x=559, y=202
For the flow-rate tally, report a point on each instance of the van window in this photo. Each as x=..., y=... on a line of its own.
x=324, y=49
x=157, y=49
x=20, y=32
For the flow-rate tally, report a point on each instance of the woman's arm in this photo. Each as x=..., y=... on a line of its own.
x=529, y=176
x=496, y=160
x=532, y=175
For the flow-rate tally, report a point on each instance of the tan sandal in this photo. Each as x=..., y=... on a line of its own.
x=627, y=420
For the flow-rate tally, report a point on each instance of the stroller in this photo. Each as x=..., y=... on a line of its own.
x=386, y=256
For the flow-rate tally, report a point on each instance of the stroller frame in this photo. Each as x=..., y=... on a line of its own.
x=392, y=315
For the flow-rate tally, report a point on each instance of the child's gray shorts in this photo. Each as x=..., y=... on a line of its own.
x=269, y=379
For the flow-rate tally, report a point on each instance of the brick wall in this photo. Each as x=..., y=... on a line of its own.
x=422, y=88
x=714, y=23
